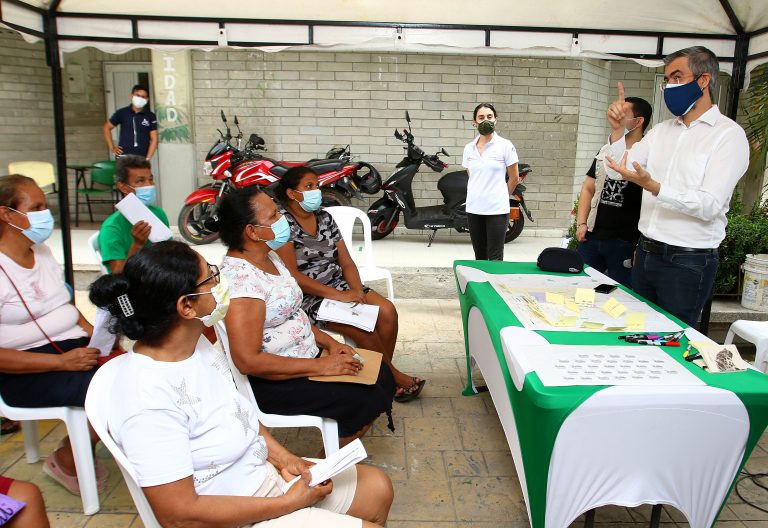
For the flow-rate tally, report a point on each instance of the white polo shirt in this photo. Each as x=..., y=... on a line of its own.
x=698, y=167
x=487, y=191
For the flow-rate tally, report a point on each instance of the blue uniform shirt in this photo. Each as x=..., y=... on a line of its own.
x=134, y=129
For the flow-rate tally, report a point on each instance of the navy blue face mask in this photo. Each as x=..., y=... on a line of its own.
x=680, y=98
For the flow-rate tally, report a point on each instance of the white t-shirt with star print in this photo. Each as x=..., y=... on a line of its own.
x=176, y=419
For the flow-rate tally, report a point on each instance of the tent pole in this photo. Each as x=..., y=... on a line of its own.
x=52, y=57
x=739, y=73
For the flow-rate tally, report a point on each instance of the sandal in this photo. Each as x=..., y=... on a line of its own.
x=9, y=426
x=102, y=473
x=412, y=392
x=52, y=468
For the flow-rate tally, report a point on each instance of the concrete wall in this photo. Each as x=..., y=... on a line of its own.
x=304, y=103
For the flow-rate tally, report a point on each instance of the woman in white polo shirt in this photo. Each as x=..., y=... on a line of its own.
x=491, y=162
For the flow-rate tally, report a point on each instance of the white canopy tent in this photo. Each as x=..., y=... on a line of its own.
x=736, y=30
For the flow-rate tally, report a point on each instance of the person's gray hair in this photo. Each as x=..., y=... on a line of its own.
x=129, y=161
x=700, y=60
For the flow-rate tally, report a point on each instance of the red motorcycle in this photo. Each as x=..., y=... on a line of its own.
x=230, y=167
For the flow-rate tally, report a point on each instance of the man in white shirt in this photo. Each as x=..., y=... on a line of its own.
x=688, y=167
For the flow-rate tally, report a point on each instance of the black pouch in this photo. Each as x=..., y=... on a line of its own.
x=560, y=260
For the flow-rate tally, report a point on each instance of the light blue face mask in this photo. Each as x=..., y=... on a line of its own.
x=312, y=200
x=282, y=232
x=40, y=225
x=146, y=195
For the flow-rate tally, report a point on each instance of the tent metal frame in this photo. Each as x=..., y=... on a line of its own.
x=52, y=38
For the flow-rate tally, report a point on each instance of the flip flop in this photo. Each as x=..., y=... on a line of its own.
x=411, y=393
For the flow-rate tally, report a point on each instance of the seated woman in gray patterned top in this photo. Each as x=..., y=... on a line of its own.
x=320, y=262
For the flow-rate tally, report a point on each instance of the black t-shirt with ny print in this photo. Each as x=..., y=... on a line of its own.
x=618, y=210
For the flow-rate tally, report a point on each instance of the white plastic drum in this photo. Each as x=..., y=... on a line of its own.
x=755, y=293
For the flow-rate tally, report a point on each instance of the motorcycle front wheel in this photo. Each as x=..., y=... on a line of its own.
x=333, y=198
x=379, y=226
x=514, y=228
x=192, y=223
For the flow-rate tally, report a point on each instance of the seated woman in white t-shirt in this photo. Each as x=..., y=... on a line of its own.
x=44, y=360
x=199, y=452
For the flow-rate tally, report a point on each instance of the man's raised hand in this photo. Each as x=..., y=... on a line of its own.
x=619, y=111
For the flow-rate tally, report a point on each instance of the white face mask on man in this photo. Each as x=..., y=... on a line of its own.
x=139, y=102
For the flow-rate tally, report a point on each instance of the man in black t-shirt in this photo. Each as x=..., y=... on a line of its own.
x=609, y=209
x=138, y=127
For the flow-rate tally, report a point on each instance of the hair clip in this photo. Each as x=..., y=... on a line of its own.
x=125, y=305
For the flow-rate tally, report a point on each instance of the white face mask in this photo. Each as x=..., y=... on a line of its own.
x=139, y=102
x=220, y=294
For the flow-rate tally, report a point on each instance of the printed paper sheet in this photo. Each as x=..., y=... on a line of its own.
x=565, y=365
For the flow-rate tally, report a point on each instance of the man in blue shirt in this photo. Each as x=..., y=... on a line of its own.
x=138, y=127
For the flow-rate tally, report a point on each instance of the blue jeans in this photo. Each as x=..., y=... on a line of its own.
x=609, y=256
x=679, y=282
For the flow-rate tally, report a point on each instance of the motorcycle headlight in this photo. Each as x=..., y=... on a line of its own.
x=207, y=168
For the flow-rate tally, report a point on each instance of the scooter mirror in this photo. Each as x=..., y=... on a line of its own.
x=236, y=121
x=444, y=152
x=408, y=117
x=223, y=117
x=398, y=135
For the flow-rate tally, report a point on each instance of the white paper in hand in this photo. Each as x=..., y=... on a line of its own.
x=102, y=338
x=344, y=458
x=135, y=211
x=360, y=315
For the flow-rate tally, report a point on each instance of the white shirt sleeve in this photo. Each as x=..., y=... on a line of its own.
x=464, y=156
x=638, y=153
x=724, y=167
x=510, y=155
x=243, y=280
x=157, y=444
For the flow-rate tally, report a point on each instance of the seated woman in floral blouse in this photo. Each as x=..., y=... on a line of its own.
x=270, y=336
x=320, y=262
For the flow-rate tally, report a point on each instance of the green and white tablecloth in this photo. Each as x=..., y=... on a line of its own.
x=580, y=447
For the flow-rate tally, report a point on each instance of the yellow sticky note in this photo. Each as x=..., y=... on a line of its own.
x=591, y=324
x=636, y=321
x=555, y=298
x=572, y=306
x=585, y=296
x=613, y=308
x=566, y=320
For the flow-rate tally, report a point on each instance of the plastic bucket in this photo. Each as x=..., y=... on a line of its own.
x=754, y=295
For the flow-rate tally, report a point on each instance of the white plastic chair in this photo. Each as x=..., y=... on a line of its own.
x=756, y=332
x=345, y=218
x=77, y=429
x=40, y=171
x=93, y=243
x=328, y=427
x=98, y=404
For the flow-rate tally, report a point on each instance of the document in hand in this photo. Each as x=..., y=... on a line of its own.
x=332, y=465
x=135, y=211
x=360, y=315
x=102, y=338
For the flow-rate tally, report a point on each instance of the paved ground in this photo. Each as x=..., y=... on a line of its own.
x=448, y=458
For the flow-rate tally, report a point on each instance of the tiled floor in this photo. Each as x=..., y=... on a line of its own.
x=448, y=457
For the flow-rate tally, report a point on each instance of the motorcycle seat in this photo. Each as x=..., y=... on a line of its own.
x=279, y=170
x=326, y=165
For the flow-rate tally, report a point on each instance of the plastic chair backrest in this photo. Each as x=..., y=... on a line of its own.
x=105, y=177
x=106, y=164
x=345, y=219
x=241, y=380
x=98, y=404
x=40, y=171
x=93, y=243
